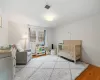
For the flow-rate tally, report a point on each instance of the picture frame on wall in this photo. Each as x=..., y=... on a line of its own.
x=0, y=21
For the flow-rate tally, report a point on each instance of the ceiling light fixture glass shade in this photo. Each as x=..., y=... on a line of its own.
x=49, y=17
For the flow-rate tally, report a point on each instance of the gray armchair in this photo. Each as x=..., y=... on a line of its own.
x=23, y=57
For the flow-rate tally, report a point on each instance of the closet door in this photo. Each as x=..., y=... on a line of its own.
x=6, y=68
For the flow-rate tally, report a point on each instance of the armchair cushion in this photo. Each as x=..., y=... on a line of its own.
x=19, y=48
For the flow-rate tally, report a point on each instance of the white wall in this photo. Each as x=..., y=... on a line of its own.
x=4, y=29
x=16, y=33
x=50, y=33
x=87, y=30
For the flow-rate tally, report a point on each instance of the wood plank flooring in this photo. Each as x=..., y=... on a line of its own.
x=36, y=56
x=91, y=73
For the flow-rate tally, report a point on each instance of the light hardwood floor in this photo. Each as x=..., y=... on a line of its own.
x=91, y=73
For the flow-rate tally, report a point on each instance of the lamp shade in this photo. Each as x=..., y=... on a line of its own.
x=25, y=36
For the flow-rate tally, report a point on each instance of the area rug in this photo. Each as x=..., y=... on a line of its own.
x=91, y=73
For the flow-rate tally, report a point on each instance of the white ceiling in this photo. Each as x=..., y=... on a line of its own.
x=65, y=11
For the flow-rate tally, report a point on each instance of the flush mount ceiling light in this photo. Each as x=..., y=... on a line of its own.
x=49, y=17
x=47, y=6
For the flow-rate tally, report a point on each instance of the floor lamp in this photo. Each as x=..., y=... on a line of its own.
x=25, y=37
